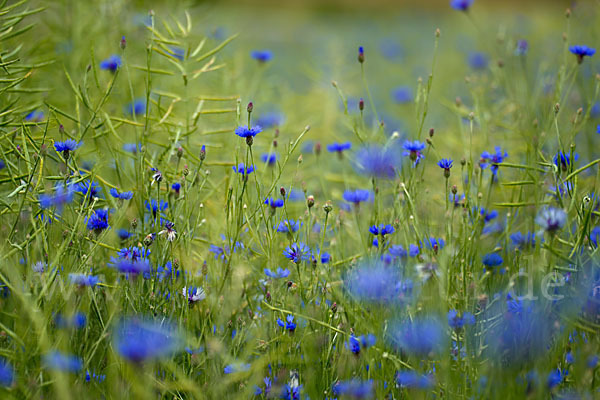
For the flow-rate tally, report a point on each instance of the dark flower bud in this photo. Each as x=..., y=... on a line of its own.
x=250, y=107
x=282, y=191
x=176, y=263
x=317, y=148
x=277, y=132
x=204, y=268
x=148, y=240
x=500, y=63
x=274, y=143
x=290, y=284
x=428, y=141
x=437, y=33
x=268, y=296
x=134, y=223
x=458, y=102
x=310, y=201
x=179, y=152
x=431, y=132
x=186, y=170
x=249, y=140
x=361, y=54
x=556, y=108
x=463, y=162
x=334, y=307
x=202, y=153
x=61, y=129
x=361, y=104
x=568, y=12
x=123, y=43
x=454, y=189
x=327, y=207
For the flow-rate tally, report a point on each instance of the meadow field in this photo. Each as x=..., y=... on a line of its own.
x=277, y=200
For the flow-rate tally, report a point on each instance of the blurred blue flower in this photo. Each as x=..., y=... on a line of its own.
x=420, y=337
x=382, y=229
x=262, y=55
x=492, y=260
x=137, y=340
x=7, y=374
x=177, y=52
x=137, y=107
x=66, y=147
x=402, y=94
x=288, y=226
x=412, y=379
x=374, y=282
x=357, y=196
x=123, y=195
x=461, y=5
x=492, y=159
x=563, y=160
x=268, y=159
x=280, y=273
x=83, y=279
x=551, y=219
x=111, y=63
x=522, y=47
x=89, y=188
x=355, y=389
x=62, y=195
x=238, y=367
x=243, y=170
x=35, y=116
x=478, y=60
x=456, y=322
x=338, y=147
x=582, y=51
x=289, y=323
x=274, y=203
x=356, y=344
x=377, y=162
x=62, y=362
x=270, y=119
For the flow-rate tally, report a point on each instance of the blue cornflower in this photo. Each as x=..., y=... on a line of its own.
x=176, y=187
x=391, y=49
x=355, y=389
x=551, y=219
x=413, y=250
x=374, y=282
x=98, y=221
x=7, y=374
x=138, y=341
x=563, y=160
x=356, y=344
x=153, y=206
x=269, y=159
x=133, y=267
x=339, y=147
x=280, y=273
x=487, y=215
x=435, y=244
x=377, y=161
x=522, y=47
x=478, y=60
x=289, y=323
x=2, y=164
x=89, y=188
x=420, y=337
x=268, y=384
x=194, y=294
x=35, y=115
x=492, y=159
x=136, y=107
x=132, y=147
x=123, y=196
x=413, y=150
x=177, y=52
x=288, y=226
x=412, y=379
x=245, y=132
x=445, y=164
x=238, y=367
x=555, y=377
x=111, y=63
x=262, y=55
x=242, y=169
x=581, y=51
x=461, y=5
x=456, y=199
x=456, y=322
x=62, y=362
x=397, y=251
x=66, y=147
x=290, y=392
x=297, y=252
x=274, y=203
x=357, y=196
x=382, y=230
x=592, y=361
x=62, y=195
x=124, y=234
x=84, y=280
x=325, y=257
x=270, y=119
x=521, y=241
x=402, y=95
x=492, y=260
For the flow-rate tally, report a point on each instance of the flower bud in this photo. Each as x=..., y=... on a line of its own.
x=282, y=191
x=148, y=240
x=179, y=152
x=310, y=201
x=202, y=153
x=328, y=207
x=361, y=104
x=123, y=43
x=317, y=148
x=361, y=54
x=431, y=132
x=250, y=108
x=249, y=140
